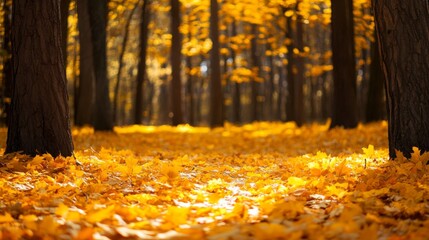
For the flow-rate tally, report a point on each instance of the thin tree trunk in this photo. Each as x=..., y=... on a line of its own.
x=84, y=109
x=256, y=65
x=403, y=36
x=216, y=97
x=141, y=68
x=39, y=120
x=7, y=60
x=121, y=64
x=98, y=20
x=300, y=75
x=291, y=72
x=375, y=106
x=176, y=55
x=343, y=58
x=65, y=5
x=237, y=93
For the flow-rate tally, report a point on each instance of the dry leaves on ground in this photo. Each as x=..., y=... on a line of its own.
x=258, y=181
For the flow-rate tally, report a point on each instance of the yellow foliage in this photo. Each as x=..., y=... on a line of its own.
x=257, y=181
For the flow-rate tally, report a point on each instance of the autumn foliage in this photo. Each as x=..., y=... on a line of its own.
x=258, y=181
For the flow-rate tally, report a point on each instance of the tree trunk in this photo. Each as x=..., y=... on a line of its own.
x=176, y=55
x=39, y=120
x=84, y=109
x=291, y=72
x=7, y=60
x=98, y=20
x=216, y=97
x=256, y=65
x=237, y=93
x=375, y=106
x=65, y=5
x=403, y=36
x=141, y=68
x=343, y=59
x=121, y=64
x=298, y=101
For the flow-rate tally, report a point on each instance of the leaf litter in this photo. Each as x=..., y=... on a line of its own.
x=257, y=181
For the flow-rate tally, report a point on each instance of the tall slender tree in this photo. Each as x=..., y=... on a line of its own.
x=98, y=10
x=7, y=60
x=39, y=117
x=375, y=106
x=84, y=107
x=403, y=35
x=176, y=55
x=216, y=96
x=65, y=5
x=343, y=59
x=121, y=64
x=141, y=68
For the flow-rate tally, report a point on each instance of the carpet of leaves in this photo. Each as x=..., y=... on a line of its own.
x=258, y=181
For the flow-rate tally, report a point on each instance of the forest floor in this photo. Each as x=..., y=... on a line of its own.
x=258, y=181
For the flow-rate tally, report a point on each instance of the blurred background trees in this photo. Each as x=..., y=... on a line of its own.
x=164, y=63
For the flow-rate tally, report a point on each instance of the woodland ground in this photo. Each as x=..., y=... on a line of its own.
x=258, y=181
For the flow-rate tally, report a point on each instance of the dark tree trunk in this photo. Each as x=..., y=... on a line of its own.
x=65, y=4
x=141, y=68
x=298, y=101
x=256, y=65
x=121, y=65
x=39, y=120
x=84, y=108
x=190, y=91
x=237, y=93
x=343, y=59
x=403, y=36
x=216, y=97
x=7, y=60
x=98, y=21
x=291, y=72
x=375, y=106
x=176, y=55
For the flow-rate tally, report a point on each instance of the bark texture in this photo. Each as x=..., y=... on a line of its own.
x=345, y=112
x=403, y=35
x=84, y=109
x=7, y=60
x=216, y=96
x=141, y=68
x=175, y=58
x=98, y=20
x=39, y=121
x=375, y=106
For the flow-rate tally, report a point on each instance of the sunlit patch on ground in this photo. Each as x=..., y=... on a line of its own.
x=259, y=181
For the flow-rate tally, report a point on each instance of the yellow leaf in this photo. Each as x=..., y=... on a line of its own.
x=296, y=182
x=6, y=218
x=101, y=214
x=177, y=215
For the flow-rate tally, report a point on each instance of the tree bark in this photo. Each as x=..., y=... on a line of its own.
x=121, y=64
x=141, y=68
x=375, y=106
x=237, y=93
x=65, y=5
x=343, y=59
x=403, y=35
x=7, y=60
x=291, y=74
x=299, y=109
x=176, y=60
x=256, y=65
x=84, y=109
x=216, y=97
x=39, y=121
x=98, y=20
